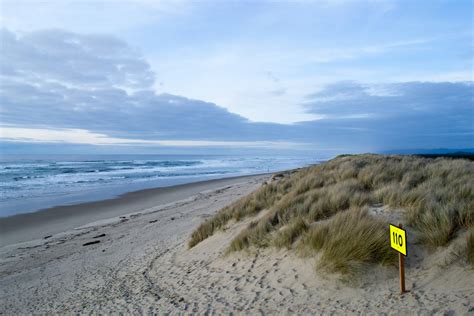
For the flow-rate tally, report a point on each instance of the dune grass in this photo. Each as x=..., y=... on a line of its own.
x=249, y=206
x=286, y=236
x=348, y=240
x=437, y=196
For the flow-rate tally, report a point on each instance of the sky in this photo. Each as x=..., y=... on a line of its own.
x=235, y=76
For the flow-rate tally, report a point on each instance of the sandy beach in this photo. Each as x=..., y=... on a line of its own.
x=130, y=255
x=30, y=226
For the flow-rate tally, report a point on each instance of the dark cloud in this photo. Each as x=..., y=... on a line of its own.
x=88, y=61
x=398, y=115
x=64, y=80
x=396, y=101
x=142, y=114
x=56, y=79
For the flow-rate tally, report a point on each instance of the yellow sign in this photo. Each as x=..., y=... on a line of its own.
x=398, y=240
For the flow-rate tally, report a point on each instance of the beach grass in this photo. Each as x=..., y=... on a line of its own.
x=348, y=240
x=286, y=236
x=251, y=205
x=317, y=206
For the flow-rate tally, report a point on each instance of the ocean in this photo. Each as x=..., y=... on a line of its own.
x=31, y=183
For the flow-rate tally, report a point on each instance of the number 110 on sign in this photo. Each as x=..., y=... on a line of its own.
x=398, y=239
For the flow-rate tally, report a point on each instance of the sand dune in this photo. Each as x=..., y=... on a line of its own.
x=142, y=265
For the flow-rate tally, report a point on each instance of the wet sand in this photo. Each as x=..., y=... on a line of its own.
x=30, y=226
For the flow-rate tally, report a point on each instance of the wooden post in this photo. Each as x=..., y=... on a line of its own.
x=401, y=263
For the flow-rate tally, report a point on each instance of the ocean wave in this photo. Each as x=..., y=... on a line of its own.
x=23, y=180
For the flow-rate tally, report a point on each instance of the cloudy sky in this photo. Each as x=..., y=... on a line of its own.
x=154, y=76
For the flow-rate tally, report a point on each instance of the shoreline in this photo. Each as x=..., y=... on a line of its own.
x=37, y=182
x=94, y=194
x=45, y=222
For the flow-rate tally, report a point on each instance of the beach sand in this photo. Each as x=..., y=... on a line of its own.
x=25, y=227
x=137, y=261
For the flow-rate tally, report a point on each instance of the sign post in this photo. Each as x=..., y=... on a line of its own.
x=398, y=242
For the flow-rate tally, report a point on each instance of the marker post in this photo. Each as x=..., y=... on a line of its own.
x=398, y=242
x=401, y=263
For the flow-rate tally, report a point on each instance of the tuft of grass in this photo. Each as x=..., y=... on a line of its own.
x=255, y=234
x=349, y=239
x=286, y=236
x=436, y=223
